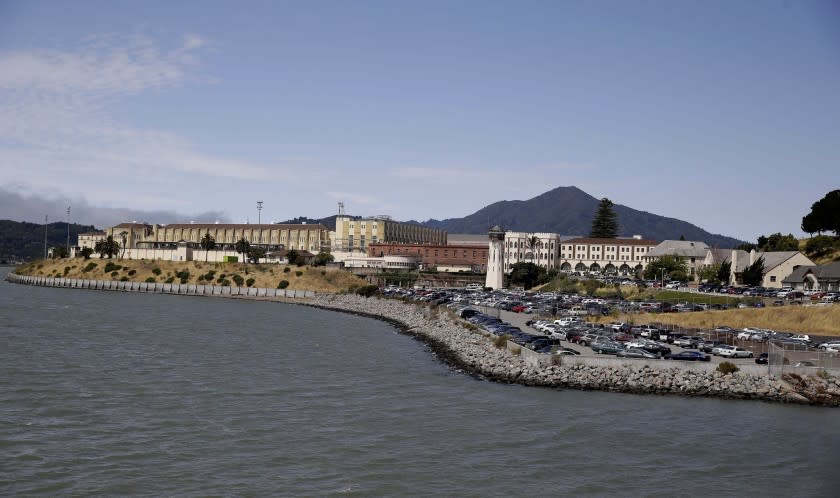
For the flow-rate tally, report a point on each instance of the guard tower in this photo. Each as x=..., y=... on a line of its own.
x=496, y=258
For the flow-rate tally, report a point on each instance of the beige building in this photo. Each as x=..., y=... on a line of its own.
x=693, y=253
x=89, y=239
x=619, y=256
x=312, y=238
x=353, y=235
x=778, y=265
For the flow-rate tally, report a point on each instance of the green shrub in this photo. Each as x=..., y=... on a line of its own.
x=323, y=273
x=66, y=270
x=250, y=282
x=225, y=282
x=89, y=267
x=286, y=270
x=238, y=279
x=150, y=280
x=156, y=270
x=727, y=368
x=517, y=350
x=132, y=272
x=500, y=341
x=111, y=267
x=298, y=273
x=183, y=275
x=114, y=274
x=823, y=374
x=169, y=280
x=367, y=290
x=283, y=284
x=124, y=279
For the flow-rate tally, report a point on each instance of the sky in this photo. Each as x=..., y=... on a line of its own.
x=724, y=114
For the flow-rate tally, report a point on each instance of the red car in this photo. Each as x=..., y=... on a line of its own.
x=518, y=309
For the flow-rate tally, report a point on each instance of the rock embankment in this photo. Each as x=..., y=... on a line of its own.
x=475, y=353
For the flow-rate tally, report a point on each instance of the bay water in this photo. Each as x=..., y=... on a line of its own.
x=117, y=394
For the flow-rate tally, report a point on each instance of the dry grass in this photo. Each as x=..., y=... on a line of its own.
x=312, y=278
x=822, y=320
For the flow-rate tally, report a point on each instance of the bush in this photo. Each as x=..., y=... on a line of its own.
x=124, y=279
x=169, y=280
x=367, y=290
x=156, y=270
x=283, y=284
x=150, y=280
x=225, y=282
x=323, y=273
x=250, y=282
x=517, y=350
x=823, y=374
x=114, y=274
x=183, y=275
x=286, y=270
x=727, y=368
x=89, y=267
x=112, y=267
x=238, y=280
x=501, y=341
x=819, y=245
x=298, y=273
x=66, y=270
x=132, y=272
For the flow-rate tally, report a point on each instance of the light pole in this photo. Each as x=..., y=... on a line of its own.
x=259, y=221
x=68, y=231
x=45, y=235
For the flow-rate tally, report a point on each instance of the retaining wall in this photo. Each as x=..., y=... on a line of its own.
x=158, y=288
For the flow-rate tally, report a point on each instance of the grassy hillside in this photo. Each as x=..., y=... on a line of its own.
x=195, y=272
x=828, y=254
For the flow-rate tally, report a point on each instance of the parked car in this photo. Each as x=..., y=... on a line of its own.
x=607, y=347
x=736, y=352
x=717, y=350
x=636, y=353
x=762, y=359
x=688, y=356
x=688, y=341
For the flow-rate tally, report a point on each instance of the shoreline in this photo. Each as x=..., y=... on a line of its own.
x=473, y=352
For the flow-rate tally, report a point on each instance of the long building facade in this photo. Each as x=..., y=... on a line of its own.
x=354, y=234
x=619, y=256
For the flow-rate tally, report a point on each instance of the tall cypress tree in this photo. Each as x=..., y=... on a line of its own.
x=605, y=223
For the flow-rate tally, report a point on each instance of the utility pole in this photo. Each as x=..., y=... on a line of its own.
x=68, y=231
x=46, y=217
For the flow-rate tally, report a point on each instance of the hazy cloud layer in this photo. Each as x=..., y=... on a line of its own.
x=32, y=207
x=57, y=130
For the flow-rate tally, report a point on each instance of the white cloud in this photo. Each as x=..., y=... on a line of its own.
x=55, y=116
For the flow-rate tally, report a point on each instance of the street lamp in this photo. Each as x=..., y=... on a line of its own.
x=45, y=235
x=259, y=221
x=68, y=231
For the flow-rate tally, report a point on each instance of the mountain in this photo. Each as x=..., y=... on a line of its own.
x=569, y=211
x=23, y=240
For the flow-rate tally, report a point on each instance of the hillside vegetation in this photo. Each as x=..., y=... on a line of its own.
x=319, y=279
x=822, y=249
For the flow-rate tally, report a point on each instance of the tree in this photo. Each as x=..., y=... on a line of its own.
x=123, y=235
x=59, y=252
x=824, y=215
x=605, y=223
x=710, y=274
x=107, y=247
x=255, y=254
x=292, y=257
x=533, y=241
x=86, y=252
x=208, y=243
x=323, y=258
x=242, y=247
x=526, y=274
x=667, y=266
x=724, y=272
x=820, y=246
x=778, y=242
x=753, y=274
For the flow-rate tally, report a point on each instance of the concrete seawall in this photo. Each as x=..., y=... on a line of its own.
x=159, y=288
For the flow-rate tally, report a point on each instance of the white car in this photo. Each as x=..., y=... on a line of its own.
x=735, y=352
x=801, y=337
x=717, y=350
x=568, y=321
x=831, y=347
x=747, y=333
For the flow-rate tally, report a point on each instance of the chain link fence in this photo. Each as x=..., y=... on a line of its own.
x=801, y=361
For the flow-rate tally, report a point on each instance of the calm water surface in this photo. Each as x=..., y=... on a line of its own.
x=118, y=394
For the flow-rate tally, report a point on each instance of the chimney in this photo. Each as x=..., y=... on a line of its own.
x=752, y=257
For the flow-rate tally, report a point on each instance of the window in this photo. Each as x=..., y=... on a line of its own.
x=772, y=278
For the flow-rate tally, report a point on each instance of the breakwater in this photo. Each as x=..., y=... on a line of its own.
x=474, y=352
x=159, y=287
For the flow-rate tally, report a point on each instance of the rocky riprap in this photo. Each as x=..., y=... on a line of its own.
x=475, y=353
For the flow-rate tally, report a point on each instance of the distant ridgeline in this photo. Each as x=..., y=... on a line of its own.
x=25, y=241
x=569, y=211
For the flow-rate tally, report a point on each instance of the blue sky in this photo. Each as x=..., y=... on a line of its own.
x=724, y=114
